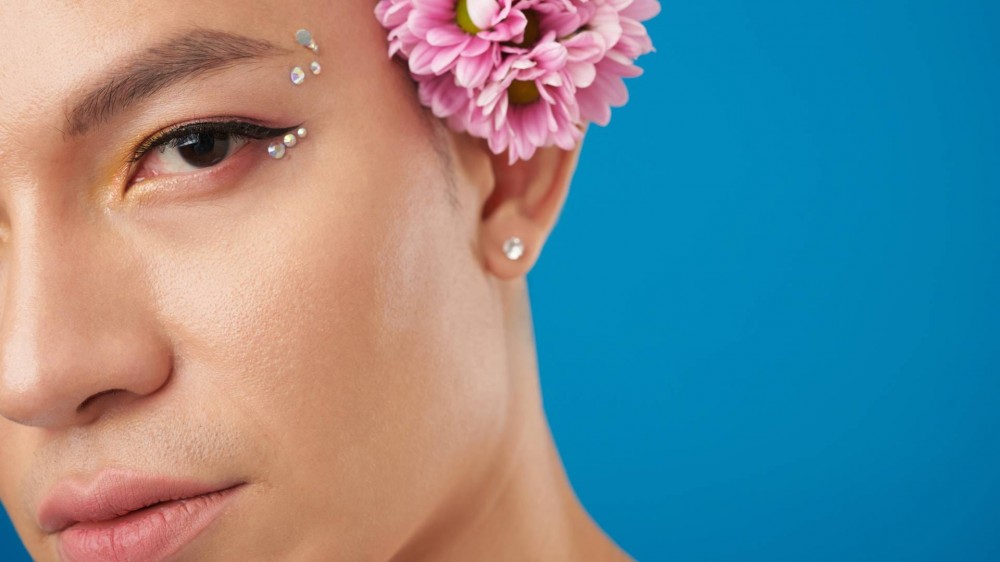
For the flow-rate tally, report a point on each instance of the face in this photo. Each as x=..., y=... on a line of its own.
x=314, y=337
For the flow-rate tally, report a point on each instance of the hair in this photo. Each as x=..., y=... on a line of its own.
x=438, y=134
x=439, y=142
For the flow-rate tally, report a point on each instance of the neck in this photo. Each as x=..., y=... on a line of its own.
x=523, y=508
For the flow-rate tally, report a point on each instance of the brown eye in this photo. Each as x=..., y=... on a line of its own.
x=192, y=148
x=202, y=150
x=189, y=153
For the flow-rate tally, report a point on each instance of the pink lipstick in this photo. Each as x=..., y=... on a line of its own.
x=126, y=516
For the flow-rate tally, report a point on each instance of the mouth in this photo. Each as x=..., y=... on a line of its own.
x=125, y=516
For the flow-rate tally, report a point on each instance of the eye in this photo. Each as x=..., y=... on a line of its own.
x=189, y=148
x=188, y=154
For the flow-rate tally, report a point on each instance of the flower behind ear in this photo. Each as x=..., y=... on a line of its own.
x=521, y=74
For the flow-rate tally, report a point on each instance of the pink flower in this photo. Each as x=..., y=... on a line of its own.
x=463, y=37
x=445, y=98
x=608, y=88
x=392, y=14
x=521, y=74
x=601, y=30
x=529, y=102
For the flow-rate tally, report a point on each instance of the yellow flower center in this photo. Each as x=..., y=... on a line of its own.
x=522, y=92
x=463, y=19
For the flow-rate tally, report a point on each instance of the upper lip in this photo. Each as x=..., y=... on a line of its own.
x=112, y=494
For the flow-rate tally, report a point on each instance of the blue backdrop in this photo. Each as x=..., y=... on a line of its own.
x=767, y=319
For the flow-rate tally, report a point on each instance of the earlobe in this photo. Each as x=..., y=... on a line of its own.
x=524, y=204
x=506, y=223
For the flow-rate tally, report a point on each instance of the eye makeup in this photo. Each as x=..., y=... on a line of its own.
x=191, y=147
x=178, y=135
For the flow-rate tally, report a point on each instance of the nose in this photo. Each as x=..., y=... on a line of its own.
x=77, y=337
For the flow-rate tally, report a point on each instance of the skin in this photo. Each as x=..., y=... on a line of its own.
x=339, y=329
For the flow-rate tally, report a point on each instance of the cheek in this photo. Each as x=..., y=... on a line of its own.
x=334, y=322
x=16, y=442
x=299, y=302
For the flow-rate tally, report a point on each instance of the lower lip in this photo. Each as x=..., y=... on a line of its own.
x=150, y=534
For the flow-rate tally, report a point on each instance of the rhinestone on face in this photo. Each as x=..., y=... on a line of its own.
x=301, y=132
x=298, y=75
x=289, y=140
x=315, y=67
x=303, y=37
x=513, y=248
x=276, y=150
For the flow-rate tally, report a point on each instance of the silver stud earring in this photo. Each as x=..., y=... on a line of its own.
x=513, y=248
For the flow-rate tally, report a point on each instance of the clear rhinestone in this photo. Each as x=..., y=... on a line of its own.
x=301, y=132
x=276, y=150
x=289, y=140
x=513, y=248
x=303, y=37
x=315, y=67
x=298, y=75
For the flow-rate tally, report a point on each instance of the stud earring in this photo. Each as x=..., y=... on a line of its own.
x=513, y=248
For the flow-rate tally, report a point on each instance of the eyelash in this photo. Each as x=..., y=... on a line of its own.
x=241, y=130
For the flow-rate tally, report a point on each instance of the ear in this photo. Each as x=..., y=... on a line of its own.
x=524, y=202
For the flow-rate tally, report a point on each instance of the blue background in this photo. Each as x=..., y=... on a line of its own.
x=768, y=317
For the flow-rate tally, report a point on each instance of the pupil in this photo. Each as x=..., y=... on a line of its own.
x=205, y=149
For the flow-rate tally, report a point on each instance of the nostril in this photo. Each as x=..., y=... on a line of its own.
x=83, y=405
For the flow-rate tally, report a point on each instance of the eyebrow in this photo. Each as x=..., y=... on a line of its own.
x=181, y=57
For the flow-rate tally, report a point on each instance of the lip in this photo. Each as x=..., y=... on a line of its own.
x=125, y=516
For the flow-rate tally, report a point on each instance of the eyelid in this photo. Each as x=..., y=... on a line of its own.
x=237, y=128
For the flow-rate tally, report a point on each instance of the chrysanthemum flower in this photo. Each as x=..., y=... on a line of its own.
x=462, y=36
x=608, y=89
x=529, y=102
x=520, y=73
x=393, y=15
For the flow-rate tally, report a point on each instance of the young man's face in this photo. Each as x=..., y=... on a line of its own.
x=317, y=330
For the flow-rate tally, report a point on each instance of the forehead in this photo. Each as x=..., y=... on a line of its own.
x=52, y=47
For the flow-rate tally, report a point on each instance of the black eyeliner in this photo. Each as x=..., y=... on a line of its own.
x=238, y=129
